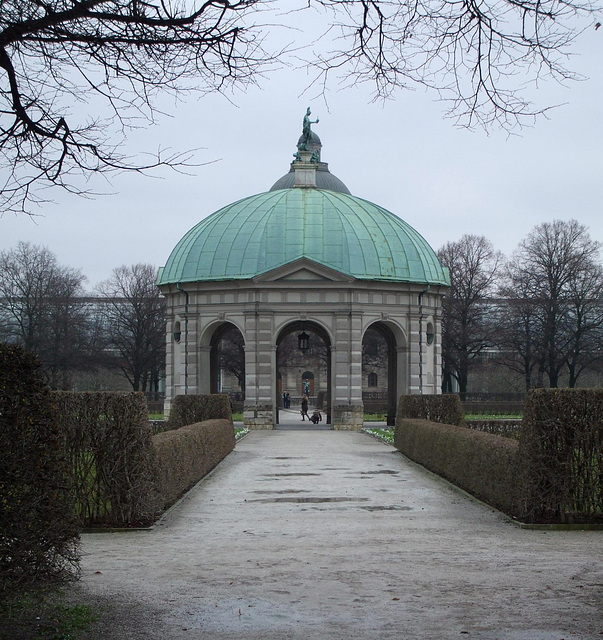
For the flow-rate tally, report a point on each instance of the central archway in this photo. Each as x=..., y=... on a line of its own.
x=309, y=369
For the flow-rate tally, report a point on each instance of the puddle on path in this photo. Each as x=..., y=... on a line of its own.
x=309, y=500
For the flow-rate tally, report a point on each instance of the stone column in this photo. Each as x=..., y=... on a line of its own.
x=204, y=370
x=402, y=372
x=259, y=407
x=414, y=386
x=170, y=357
x=348, y=410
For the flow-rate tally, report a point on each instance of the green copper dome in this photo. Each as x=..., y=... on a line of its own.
x=335, y=229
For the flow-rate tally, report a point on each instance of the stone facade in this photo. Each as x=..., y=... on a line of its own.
x=304, y=293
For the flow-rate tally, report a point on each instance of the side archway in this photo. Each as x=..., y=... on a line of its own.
x=227, y=361
x=382, y=369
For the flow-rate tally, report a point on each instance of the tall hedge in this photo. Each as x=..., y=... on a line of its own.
x=446, y=408
x=561, y=453
x=108, y=442
x=190, y=409
x=38, y=525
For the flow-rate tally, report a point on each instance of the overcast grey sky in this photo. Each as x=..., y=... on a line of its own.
x=402, y=155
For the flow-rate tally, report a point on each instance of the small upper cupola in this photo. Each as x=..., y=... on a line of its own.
x=307, y=169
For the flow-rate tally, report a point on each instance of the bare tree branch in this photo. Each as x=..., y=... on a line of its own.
x=124, y=51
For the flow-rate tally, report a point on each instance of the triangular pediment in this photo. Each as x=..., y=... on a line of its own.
x=303, y=270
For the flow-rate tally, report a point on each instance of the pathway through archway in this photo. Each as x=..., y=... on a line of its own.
x=303, y=359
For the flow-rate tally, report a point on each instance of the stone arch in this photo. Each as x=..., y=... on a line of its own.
x=394, y=362
x=286, y=323
x=227, y=355
x=321, y=386
x=208, y=331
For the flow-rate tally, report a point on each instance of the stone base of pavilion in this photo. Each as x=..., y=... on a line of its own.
x=343, y=417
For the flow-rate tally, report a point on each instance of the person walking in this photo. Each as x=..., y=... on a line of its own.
x=304, y=407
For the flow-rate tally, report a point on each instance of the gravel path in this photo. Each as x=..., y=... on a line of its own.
x=333, y=535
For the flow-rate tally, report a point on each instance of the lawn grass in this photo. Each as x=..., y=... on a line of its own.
x=385, y=435
x=40, y=614
x=375, y=417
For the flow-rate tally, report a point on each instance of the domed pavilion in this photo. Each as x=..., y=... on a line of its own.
x=309, y=262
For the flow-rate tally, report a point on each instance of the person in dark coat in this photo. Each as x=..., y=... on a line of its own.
x=304, y=407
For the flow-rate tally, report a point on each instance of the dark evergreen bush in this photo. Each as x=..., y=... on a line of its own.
x=446, y=409
x=561, y=454
x=191, y=409
x=38, y=525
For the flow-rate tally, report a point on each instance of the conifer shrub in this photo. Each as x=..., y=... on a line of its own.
x=38, y=523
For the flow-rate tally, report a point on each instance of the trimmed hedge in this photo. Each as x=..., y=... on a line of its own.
x=445, y=408
x=480, y=463
x=561, y=453
x=190, y=409
x=108, y=441
x=552, y=475
x=187, y=454
x=38, y=524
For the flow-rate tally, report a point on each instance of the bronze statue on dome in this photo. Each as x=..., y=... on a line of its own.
x=306, y=128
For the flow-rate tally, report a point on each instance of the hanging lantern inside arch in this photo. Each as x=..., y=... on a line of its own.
x=303, y=341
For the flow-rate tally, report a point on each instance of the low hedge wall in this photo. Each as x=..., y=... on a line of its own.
x=190, y=409
x=480, y=463
x=185, y=455
x=445, y=408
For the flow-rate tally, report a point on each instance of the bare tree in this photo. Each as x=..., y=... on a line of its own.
x=134, y=315
x=474, y=266
x=231, y=355
x=585, y=309
x=123, y=53
x=518, y=336
x=471, y=53
x=56, y=53
x=375, y=351
x=557, y=277
x=41, y=308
